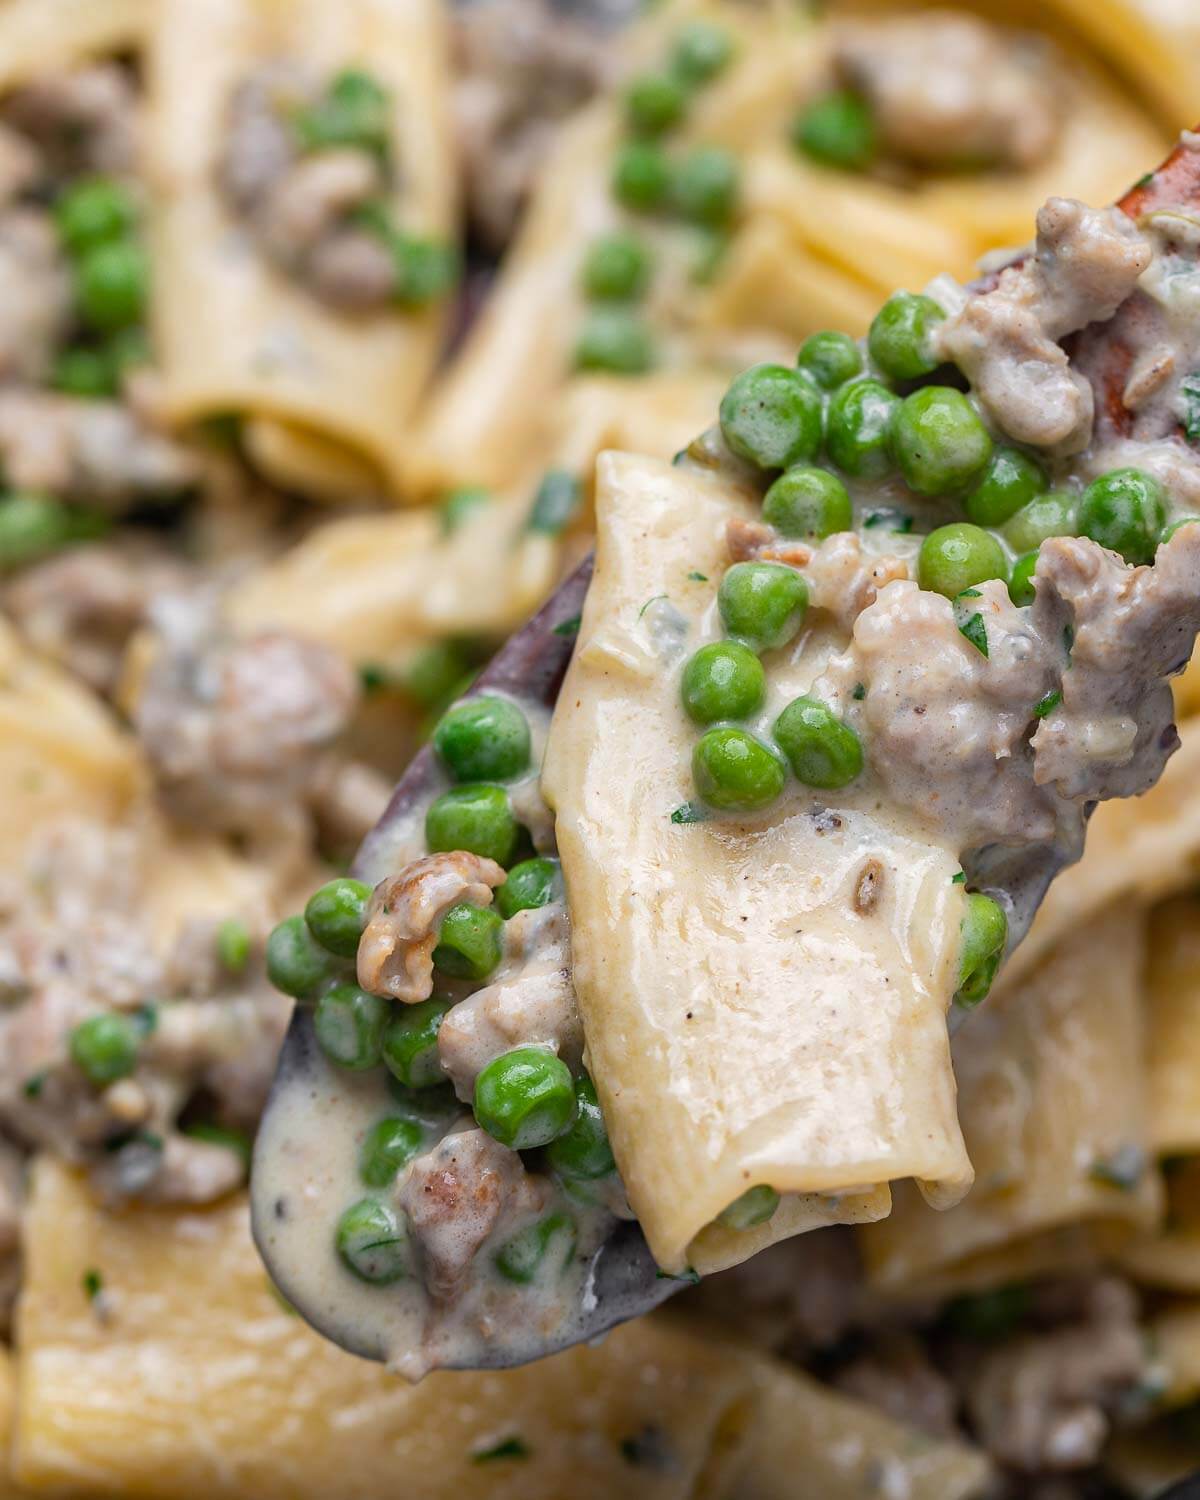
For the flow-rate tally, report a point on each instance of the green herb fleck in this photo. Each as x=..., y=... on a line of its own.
x=970, y=594
x=568, y=627
x=687, y=1274
x=554, y=506
x=976, y=633
x=1145, y=180
x=233, y=945
x=93, y=1284
x=513, y=1447
x=1123, y=1169
x=1189, y=388
x=33, y=1085
x=697, y=577
x=652, y=600
x=375, y=678
x=959, y=879
x=689, y=812
x=1048, y=704
x=860, y=692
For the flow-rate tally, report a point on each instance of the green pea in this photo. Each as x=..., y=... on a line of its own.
x=701, y=51
x=1021, y=587
x=823, y=751
x=435, y=673
x=476, y=818
x=532, y=884
x=616, y=341
x=762, y=604
x=859, y=428
x=459, y=504
x=654, y=102
x=233, y=945
x=733, y=770
x=616, y=268
x=483, y=739
x=354, y=113
x=754, y=1207
x=808, y=502
x=525, y=1098
x=984, y=931
x=104, y=1048
x=349, y=1024
x=838, y=130
x=470, y=941
x=1011, y=480
x=93, y=211
x=900, y=336
x=296, y=962
x=771, y=416
x=87, y=373
x=939, y=441
x=389, y=1145
x=830, y=358
x=1049, y=515
x=110, y=285
x=337, y=914
x=521, y=1258
x=372, y=1241
x=957, y=557
x=583, y=1152
x=1124, y=510
x=704, y=189
x=426, y=269
x=641, y=177
x=724, y=680
x=409, y=1046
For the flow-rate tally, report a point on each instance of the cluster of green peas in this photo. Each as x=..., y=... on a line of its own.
x=700, y=189
x=526, y=1098
x=97, y=223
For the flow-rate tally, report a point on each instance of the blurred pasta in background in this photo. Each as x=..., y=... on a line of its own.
x=314, y=318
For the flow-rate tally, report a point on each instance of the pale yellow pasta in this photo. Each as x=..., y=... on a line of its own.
x=37, y=36
x=62, y=753
x=190, y=1381
x=1171, y=1257
x=803, y=1434
x=232, y=332
x=1052, y=1100
x=379, y=587
x=724, y=1048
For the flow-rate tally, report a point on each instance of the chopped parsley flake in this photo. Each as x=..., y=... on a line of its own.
x=33, y=1085
x=555, y=503
x=1189, y=388
x=1048, y=704
x=895, y=520
x=696, y=577
x=970, y=594
x=374, y=678
x=568, y=627
x=689, y=812
x=959, y=879
x=233, y=945
x=860, y=692
x=513, y=1447
x=1144, y=181
x=93, y=1284
x=654, y=598
x=687, y=1274
x=976, y=633
x=1123, y=1169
